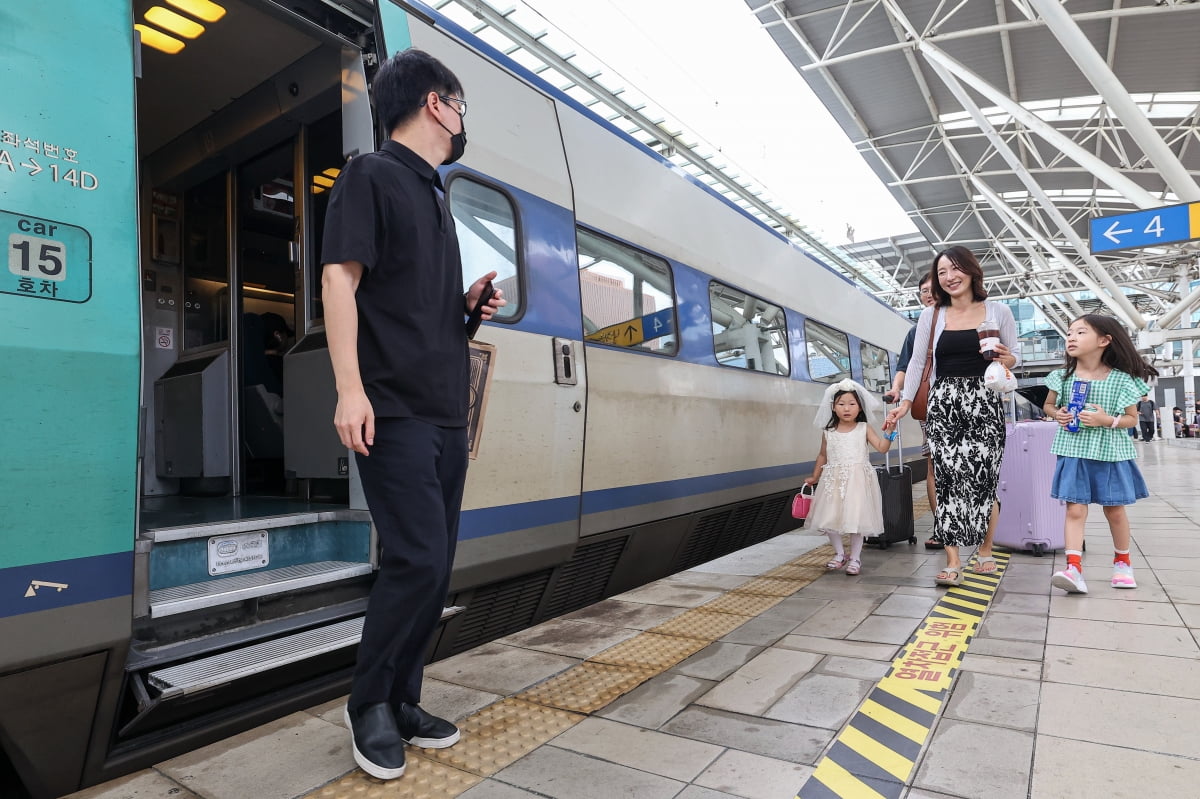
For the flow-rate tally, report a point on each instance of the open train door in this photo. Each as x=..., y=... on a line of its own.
x=512, y=204
x=69, y=351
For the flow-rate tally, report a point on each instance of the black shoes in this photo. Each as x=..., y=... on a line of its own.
x=423, y=729
x=378, y=746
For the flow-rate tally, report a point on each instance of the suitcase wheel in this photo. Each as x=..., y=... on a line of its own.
x=912, y=540
x=1039, y=550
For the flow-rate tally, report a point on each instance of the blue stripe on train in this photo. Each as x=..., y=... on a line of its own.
x=32, y=588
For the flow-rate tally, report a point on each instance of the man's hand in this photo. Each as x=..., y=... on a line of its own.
x=355, y=421
x=494, y=304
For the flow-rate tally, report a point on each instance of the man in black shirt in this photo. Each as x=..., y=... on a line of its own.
x=394, y=317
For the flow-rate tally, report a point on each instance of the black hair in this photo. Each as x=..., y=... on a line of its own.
x=1120, y=354
x=925, y=279
x=967, y=263
x=404, y=81
x=833, y=417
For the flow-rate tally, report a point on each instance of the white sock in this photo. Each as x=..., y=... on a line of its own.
x=856, y=545
x=836, y=540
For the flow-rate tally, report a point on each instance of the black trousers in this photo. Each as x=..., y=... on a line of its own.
x=413, y=481
x=1147, y=431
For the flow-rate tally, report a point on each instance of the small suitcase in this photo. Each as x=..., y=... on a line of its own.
x=895, y=484
x=1030, y=519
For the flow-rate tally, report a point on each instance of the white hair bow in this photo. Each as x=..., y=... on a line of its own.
x=871, y=404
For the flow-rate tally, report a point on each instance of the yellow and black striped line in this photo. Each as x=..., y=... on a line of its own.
x=876, y=752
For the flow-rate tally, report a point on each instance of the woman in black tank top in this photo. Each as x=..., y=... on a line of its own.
x=965, y=421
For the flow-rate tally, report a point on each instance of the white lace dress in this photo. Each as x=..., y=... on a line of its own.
x=847, y=499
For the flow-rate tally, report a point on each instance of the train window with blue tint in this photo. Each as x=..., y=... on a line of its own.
x=828, y=352
x=486, y=222
x=877, y=367
x=748, y=332
x=628, y=296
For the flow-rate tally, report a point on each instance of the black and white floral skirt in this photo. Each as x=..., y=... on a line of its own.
x=965, y=429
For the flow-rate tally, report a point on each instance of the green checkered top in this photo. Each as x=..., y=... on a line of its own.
x=1113, y=394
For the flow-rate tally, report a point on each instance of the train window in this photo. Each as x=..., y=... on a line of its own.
x=487, y=235
x=828, y=352
x=628, y=298
x=748, y=333
x=877, y=369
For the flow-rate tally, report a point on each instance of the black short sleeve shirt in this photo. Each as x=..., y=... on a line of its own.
x=387, y=211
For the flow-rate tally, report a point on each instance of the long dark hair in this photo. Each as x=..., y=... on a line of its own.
x=833, y=417
x=968, y=264
x=1120, y=354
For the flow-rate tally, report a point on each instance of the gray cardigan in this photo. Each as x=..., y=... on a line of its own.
x=916, y=364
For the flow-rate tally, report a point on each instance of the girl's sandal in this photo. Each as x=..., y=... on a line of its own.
x=853, y=567
x=837, y=564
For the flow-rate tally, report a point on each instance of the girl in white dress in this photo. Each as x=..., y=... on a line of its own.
x=847, y=500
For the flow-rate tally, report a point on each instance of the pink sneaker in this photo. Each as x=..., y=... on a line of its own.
x=1123, y=575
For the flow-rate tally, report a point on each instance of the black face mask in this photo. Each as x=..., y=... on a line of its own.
x=458, y=144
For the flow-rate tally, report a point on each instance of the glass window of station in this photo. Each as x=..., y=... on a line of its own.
x=486, y=223
x=877, y=368
x=748, y=332
x=628, y=296
x=828, y=352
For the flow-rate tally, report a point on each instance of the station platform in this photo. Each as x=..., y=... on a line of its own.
x=761, y=676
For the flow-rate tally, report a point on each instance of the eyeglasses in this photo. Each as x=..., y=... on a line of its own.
x=462, y=104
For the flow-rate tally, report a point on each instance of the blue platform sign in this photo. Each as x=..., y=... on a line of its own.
x=1149, y=228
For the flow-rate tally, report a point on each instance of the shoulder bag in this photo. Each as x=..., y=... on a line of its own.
x=920, y=403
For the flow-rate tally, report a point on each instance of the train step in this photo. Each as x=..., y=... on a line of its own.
x=211, y=593
x=226, y=667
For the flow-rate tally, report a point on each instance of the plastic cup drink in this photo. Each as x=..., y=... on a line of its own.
x=989, y=337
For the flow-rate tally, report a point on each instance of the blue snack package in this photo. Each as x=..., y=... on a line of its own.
x=1076, y=403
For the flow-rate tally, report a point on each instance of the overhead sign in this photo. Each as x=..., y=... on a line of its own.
x=1167, y=225
x=635, y=331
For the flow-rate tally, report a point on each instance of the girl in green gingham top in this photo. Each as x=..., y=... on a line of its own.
x=1096, y=463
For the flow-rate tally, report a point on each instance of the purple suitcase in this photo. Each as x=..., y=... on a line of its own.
x=1030, y=519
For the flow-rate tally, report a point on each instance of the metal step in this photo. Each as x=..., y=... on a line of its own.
x=188, y=678
x=206, y=529
x=194, y=596
x=210, y=672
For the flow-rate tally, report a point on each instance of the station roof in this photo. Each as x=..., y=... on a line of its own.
x=1005, y=126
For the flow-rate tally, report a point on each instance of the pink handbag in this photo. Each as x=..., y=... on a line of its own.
x=802, y=503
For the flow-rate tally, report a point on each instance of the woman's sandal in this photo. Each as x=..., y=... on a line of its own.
x=853, y=567
x=957, y=579
x=979, y=561
x=837, y=564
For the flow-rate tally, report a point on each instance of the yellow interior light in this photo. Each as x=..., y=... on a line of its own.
x=321, y=180
x=200, y=9
x=333, y=172
x=152, y=37
x=318, y=189
x=175, y=23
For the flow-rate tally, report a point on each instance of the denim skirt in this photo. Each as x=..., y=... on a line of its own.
x=1087, y=482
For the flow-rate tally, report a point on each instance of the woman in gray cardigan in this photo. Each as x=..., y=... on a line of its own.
x=965, y=420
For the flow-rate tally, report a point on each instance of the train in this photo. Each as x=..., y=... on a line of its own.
x=185, y=551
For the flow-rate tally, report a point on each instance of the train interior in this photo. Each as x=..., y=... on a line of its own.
x=249, y=517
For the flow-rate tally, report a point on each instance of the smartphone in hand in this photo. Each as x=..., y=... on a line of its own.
x=476, y=317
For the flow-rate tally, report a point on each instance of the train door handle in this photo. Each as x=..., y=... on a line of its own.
x=564, y=362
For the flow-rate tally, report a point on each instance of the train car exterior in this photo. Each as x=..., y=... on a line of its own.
x=647, y=393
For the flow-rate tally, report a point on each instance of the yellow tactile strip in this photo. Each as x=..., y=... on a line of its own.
x=502, y=733
x=423, y=779
x=507, y=730
x=588, y=686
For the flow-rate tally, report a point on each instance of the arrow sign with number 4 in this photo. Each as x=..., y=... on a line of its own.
x=1149, y=228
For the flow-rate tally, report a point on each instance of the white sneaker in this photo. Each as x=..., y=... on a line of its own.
x=1123, y=575
x=1069, y=580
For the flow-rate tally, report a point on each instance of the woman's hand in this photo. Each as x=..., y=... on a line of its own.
x=1004, y=355
x=896, y=414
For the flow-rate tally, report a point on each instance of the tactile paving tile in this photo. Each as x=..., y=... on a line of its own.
x=502, y=733
x=768, y=586
x=705, y=625
x=650, y=651
x=423, y=779
x=799, y=573
x=588, y=686
x=741, y=604
x=817, y=557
